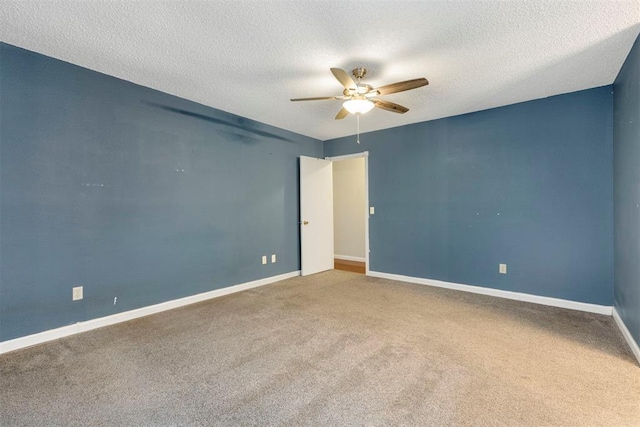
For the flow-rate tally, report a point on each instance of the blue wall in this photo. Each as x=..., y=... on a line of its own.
x=626, y=167
x=133, y=193
x=143, y=196
x=529, y=185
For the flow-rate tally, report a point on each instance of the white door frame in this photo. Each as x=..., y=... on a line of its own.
x=364, y=154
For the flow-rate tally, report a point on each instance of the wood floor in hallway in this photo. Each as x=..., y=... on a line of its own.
x=345, y=265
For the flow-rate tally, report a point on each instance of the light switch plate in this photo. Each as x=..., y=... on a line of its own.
x=264, y=259
x=273, y=259
x=503, y=269
x=372, y=210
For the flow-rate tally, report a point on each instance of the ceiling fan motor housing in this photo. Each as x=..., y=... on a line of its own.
x=359, y=72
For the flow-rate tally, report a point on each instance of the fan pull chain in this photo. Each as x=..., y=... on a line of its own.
x=358, y=120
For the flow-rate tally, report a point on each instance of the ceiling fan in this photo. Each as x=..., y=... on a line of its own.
x=360, y=98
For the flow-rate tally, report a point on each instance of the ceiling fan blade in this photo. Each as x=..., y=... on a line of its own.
x=390, y=106
x=319, y=98
x=342, y=114
x=402, y=86
x=343, y=78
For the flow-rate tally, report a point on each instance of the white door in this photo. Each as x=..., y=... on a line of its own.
x=316, y=215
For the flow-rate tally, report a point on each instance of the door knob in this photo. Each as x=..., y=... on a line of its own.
x=305, y=222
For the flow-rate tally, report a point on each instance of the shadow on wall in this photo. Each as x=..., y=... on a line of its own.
x=242, y=124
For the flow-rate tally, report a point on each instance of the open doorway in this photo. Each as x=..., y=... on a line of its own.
x=350, y=213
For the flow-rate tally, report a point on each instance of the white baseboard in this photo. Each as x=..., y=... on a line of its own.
x=350, y=258
x=635, y=349
x=555, y=302
x=76, y=328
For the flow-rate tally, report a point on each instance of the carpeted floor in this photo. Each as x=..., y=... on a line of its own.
x=336, y=348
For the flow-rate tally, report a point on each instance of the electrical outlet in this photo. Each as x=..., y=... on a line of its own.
x=273, y=259
x=264, y=259
x=77, y=293
x=503, y=269
x=115, y=300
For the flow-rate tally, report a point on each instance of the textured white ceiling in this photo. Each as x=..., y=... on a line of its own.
x=250, y=57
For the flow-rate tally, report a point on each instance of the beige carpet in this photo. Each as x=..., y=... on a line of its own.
x=335, y=348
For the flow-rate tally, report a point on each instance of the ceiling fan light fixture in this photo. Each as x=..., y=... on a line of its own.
x=358, y=106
